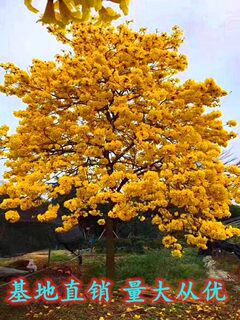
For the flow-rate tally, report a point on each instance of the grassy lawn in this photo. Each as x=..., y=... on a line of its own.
x=153, y=265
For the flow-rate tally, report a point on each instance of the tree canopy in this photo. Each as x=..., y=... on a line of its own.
x=61, y=12
x=110, y=120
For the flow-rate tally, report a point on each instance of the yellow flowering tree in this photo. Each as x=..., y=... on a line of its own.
x=61, y=12
x=109, y=122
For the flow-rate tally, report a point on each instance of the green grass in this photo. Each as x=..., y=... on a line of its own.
x=60, y=255
x=154, y=264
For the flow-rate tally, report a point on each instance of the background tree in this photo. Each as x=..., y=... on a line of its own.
x=61, y=12
x=110, y=120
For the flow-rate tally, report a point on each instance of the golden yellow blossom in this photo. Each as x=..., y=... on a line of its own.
x=116, y=134
x=232, y=123
x=62, y=12
x=12, y=216
x=50, y=214
x=101, y=222
x=177, y=253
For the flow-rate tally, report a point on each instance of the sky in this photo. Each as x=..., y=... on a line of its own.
x=212, y=33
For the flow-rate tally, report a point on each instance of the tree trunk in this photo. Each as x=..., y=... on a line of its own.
x=110, y=249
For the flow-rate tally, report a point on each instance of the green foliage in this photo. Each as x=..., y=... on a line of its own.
x=155, y=264
x=162, y=264
x=235, y=211
x=60, y=255
x=134, y=245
